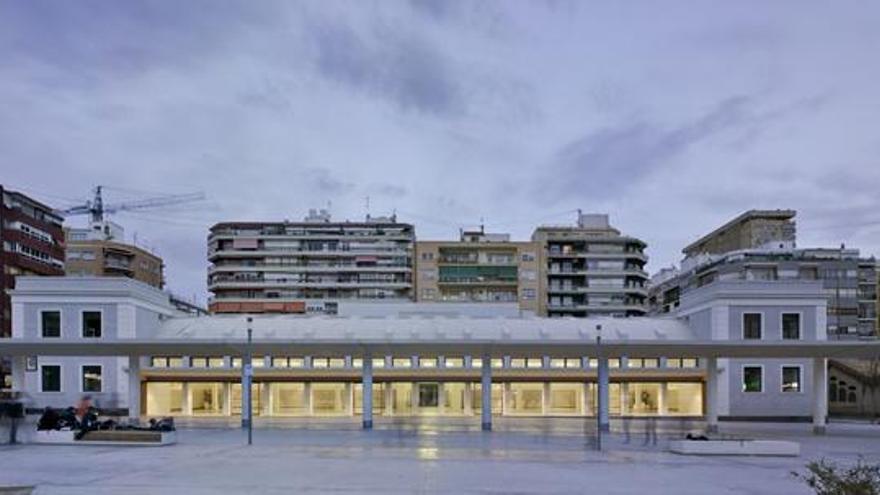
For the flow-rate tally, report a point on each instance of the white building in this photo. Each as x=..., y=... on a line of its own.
x=735, y=351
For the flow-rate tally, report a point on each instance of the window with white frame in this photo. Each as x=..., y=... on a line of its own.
x=753, y=378
x=50, y=323
x=91, y=324
x=50, y=378
x=92, y=378
x=752, y=326
x=791, y=326
x=791, y=378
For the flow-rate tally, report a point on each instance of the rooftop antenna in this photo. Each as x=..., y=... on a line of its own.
x=367, y=206
x=482, y=229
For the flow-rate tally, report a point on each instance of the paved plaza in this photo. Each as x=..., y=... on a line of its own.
x=426, y=456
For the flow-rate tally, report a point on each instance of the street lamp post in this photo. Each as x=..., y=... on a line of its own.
x=247, y=375
x=599, y=404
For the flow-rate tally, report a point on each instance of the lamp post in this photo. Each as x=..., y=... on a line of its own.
x=599, y=404
x=247, y=375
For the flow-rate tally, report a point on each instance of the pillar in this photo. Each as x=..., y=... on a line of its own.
x=603, y=394
x=712, y=395
x=134, y=387
x=367, y=393
x=820, y=395
x=486, y=381
x=19, y=365
x=246, y=375
x=662, y=409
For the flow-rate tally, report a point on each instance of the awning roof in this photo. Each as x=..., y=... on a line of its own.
x=448, y=347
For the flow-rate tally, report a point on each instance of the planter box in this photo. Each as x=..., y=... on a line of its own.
x=736, y=447
x=107, y=437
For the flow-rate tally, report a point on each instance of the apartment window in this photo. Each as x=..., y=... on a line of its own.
x=528, y=257
x=528, y=275
x=428, y=293
x=50, y=323
x=378, y=362
x=427, y=256
x=753, y=379
x=528, y=294
x=791, y=378
x=50, y=378
x=91, y=378
x=427, y=362
x=91, y=324
x=791, y=326
x=752, y=325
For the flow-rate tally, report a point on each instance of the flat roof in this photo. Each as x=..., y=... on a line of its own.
x=746, y=216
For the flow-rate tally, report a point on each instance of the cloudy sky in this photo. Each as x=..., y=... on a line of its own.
x=670, y=116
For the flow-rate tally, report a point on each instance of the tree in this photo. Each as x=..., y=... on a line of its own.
x=828, y=478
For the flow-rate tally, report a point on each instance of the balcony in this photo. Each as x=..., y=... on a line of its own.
x=476, y=281
x=280, y=284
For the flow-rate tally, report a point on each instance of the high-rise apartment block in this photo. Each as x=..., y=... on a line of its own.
x=32, y=244
x=99, y=251
x=849, y=280
x=294, y=267
x=591, y=269
x=480, y=267
x=752, y=230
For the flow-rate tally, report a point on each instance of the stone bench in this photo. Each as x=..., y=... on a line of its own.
x=106, y=437
x=736, y=447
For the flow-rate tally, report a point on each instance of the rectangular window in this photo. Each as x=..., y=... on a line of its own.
x=427, y=362
x=451, y=362
x=91, y=378
x=91, y=324
x=681, y=362
x=50, y=324
x=402, y=362
x=791, y=378
x=378, y=362
x=753, y=379
x=50, y=378
x=206, y=362
x=752, y=325
x=791, y=326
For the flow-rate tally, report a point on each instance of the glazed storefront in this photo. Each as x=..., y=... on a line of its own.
x=414, y=387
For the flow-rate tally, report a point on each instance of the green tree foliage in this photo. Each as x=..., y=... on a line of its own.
x=828, y=478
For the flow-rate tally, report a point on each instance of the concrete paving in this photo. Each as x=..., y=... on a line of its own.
x=426, y=456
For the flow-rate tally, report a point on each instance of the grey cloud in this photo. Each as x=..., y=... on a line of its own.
x=606, y=161
x=325, y=182
x=387, y=189
x=404, y=69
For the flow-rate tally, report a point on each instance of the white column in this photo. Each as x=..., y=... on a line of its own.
x=134, y=387
x=603, y=395
x=19, y=364
x=468, y=399
x=820, y=395
x=545, y=402
x=441, y=398
x=711, y=395
x=661, y=400
x=389, y=398
x=186, y=407
x=367, y=393
x=227, y=399
x=307, y=397
x=486, y=380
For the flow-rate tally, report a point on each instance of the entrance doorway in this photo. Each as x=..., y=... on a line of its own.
x=429, y=398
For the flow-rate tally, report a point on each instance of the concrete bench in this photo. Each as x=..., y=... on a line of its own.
x=106, y=437
x=736, y=447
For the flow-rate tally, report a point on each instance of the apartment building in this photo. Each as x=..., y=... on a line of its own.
x=308, y=266
x=31, y=243
x=590, y=269
x=479, y=267
x=753, y=229
x=848, y=280
x=99, y=251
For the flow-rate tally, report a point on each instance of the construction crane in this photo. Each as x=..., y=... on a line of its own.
x=96, y=207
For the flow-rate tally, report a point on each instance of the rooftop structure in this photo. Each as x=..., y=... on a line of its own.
x=752, y=229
